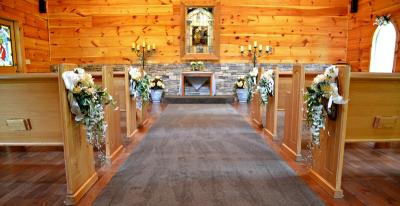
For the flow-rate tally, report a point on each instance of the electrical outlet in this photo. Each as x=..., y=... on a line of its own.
x=27, y=61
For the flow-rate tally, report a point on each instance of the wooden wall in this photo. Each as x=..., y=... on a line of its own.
x=361, y=31
x=99, y=31
x=35, y=31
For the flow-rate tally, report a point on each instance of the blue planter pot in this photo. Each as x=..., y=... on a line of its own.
x=242, y=95
x=156, y=95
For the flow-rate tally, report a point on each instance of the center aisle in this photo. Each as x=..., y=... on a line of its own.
x=205, y=155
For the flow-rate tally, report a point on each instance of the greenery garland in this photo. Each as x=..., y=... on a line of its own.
x=266, y=86
x=87, y=102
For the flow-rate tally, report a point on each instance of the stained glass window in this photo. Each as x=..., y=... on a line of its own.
x=6, y=54
x=199, y=30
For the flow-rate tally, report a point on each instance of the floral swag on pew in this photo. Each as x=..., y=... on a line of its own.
x=139, y=86
x=251, y=79
x=319, y=100
x=266, y=86
x=87, y=101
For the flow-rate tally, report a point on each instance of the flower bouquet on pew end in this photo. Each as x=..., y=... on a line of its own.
x=157, y=89
x=87, y=101
x=266, y=86
x=139, y=86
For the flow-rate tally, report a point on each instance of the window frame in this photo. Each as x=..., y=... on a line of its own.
x=373, y=46
x=16, y=46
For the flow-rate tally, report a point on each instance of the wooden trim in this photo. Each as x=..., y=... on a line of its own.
x=374, y=76
x=73, y=199
x=271, y=115
x=298, y=157
x=114, y=155
x=372, y=140
x=31, y=144
x=335, y=193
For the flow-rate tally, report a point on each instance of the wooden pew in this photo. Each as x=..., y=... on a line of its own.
x=328, y=160
x=374, y=108
x=271, y=117
x=38, y=108
x=112, y=115
x=130, y=107
x=256, y=108
x=294, y=114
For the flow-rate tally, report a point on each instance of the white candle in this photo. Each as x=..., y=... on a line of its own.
x=255, y=43
x=241, y=49
x=154, y=46
x=148, y=47
x=133, y=45
x=138, y=47
x=249, y=47
x=268, y=49
x=260, y=47
x=144, y=44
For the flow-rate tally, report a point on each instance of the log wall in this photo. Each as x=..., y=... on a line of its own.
x=35, y=31
x=98, y=31
x=361, y=31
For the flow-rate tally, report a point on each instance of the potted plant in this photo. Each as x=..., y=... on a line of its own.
x=241, y=90
x=197, y=66
x=156, y=89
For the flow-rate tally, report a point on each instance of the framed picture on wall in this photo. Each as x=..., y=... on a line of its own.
x=10, y=57
x=200, y=31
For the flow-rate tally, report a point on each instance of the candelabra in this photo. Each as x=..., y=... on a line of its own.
x=142, y=52
x=256, y=51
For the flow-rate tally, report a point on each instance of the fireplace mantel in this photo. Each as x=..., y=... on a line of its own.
x=209, y=75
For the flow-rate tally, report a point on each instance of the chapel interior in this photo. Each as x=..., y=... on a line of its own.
x=200, y=102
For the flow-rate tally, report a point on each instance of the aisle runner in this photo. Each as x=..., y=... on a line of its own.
x=204, y=155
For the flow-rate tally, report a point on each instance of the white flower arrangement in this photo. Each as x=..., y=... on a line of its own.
x=266, y=86
x=157, y=83
x=382, y=20
x=139, y=85
x=87, y=101
x=323, y=89
x=197, y=66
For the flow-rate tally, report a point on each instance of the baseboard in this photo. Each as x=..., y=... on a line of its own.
x=336, y=193
x=132, y=134
x=73, y=199
x=258, y=123
x=270, y=134
x=111, y=158
x=296, y=156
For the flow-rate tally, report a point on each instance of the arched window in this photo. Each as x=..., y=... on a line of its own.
x=383, y=48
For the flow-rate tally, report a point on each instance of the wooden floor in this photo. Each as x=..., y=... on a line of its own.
x=35, y=176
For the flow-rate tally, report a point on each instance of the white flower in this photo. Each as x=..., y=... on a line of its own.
x=159, y=83
x=158, y=77
x=268, y=74
x=134, y=73
x=163, y=86
x=331, y=72
x=70, y=79
x=152, y=84
x=254, y=72
x=239, y=84
x=319, y=78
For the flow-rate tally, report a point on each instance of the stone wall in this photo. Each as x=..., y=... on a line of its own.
x=225, y=74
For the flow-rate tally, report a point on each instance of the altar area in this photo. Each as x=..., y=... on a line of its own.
x=197, y=83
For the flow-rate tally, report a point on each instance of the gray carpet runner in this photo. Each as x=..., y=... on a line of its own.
x=200, y=155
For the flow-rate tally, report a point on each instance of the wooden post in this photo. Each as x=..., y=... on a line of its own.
x=130, y=104
x=271, y=122
x=328, y=160
x=294, y=114
x=78, y=154
x=143, y=114
x=112, y=117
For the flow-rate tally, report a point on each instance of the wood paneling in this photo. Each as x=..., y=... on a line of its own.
x=35, y=31
x=361, y=31
x=97, y=31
